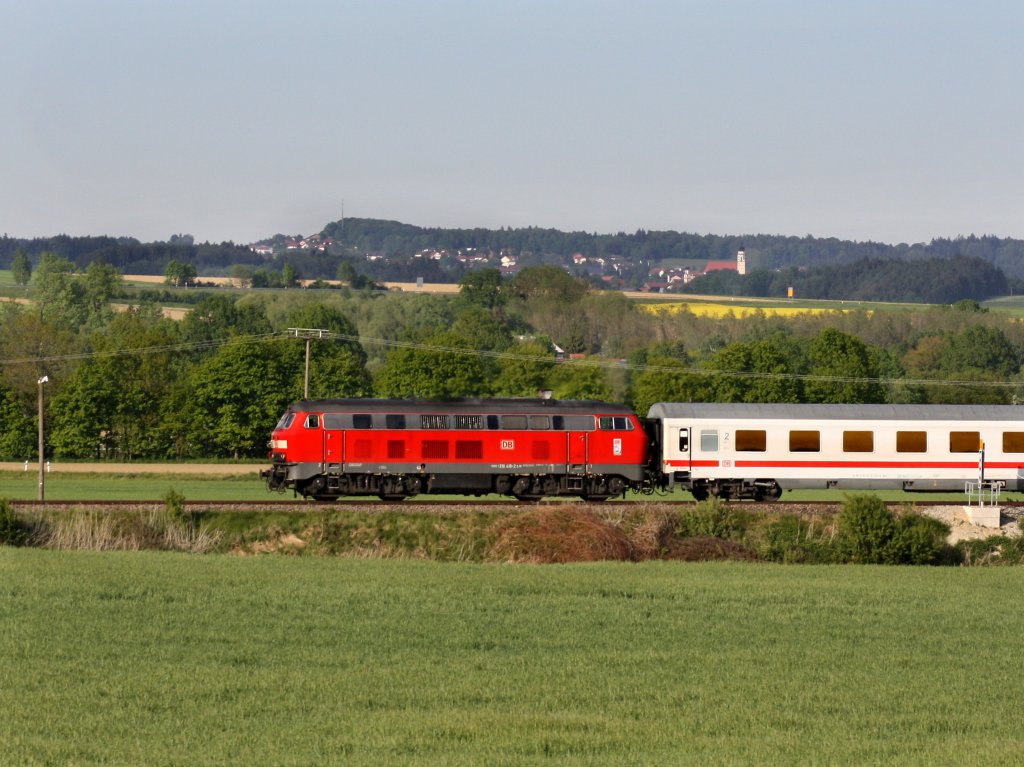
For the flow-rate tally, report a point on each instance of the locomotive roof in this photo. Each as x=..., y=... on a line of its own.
x=752, y=411
x=481, y=405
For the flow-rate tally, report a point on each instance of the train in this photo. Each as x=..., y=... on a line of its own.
x=326, y=449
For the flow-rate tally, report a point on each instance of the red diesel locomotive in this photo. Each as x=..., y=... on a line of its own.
x=390, y=448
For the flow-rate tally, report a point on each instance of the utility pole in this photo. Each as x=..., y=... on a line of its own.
x=309, y=334
x=42, y=466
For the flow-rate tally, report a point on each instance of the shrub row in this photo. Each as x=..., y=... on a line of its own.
x=864, y=532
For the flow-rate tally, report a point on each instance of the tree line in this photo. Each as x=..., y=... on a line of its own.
x=769, y=252
x=133, y=384
x=399, y=242
x=925, y=280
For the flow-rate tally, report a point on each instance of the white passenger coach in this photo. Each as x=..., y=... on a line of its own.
x=757, y=451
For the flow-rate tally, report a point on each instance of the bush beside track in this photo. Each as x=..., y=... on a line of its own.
x=862, y=531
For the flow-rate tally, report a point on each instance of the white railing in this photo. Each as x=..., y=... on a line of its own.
x=986, y=491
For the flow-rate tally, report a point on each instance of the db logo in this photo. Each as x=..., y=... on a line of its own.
x=508, y=444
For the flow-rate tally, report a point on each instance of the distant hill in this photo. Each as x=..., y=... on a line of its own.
x=942, y=270
x=763, y=251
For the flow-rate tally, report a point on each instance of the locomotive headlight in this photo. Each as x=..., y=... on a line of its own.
x=278, y=444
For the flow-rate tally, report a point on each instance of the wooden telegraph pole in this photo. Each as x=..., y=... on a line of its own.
x=309, y=334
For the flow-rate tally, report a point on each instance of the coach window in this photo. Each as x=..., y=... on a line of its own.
x=394, y=421
x=312, y=421
x=1013, y=441
x=964, y=441
x=709, y=441
x=911, y=442
x=751, y=440
x=858, y=441
x=362, y=421
x=804, y=442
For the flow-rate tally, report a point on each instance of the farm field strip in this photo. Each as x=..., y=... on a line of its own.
x=173, y=659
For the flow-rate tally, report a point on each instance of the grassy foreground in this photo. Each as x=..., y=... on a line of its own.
x=150, y=658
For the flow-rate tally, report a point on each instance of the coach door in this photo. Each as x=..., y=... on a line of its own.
x=683, y=440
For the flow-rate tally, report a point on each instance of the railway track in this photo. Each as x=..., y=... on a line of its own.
x=431, y=506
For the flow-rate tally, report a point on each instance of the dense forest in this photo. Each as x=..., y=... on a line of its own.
x=926, y=280
x=128, y=255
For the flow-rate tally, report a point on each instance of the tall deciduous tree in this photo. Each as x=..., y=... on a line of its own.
x=181, y=274
x=844, y=369
x=21, y=267
x=526, y=371
x=59, y=296
x=484, y=288
x=575, y=381
x=110, y=405
x=102, y=284
x=232, y=400
x=337, y=363
x=548, y=282
x=17, y=428
x=436, y=369
x=666, y=379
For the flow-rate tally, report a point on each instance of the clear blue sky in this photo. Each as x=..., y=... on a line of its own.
x=894, y=120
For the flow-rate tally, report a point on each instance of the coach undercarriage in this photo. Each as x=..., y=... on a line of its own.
x=738, y=489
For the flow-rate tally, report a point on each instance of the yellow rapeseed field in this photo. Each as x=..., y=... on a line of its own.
x=707, y=309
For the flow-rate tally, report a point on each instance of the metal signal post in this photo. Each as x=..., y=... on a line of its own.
x=42, y=465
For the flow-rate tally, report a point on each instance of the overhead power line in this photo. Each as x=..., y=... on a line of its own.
x=512, y=356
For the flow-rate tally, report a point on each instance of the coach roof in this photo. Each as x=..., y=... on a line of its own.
x=754, y=412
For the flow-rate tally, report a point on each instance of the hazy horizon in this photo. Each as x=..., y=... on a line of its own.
x=236, y=120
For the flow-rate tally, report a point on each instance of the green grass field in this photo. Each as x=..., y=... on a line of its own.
x=173, y=659
x=70, y=486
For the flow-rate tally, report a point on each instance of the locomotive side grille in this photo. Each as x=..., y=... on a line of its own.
x=434, y=448
x=469, y=449
x=396, y=448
